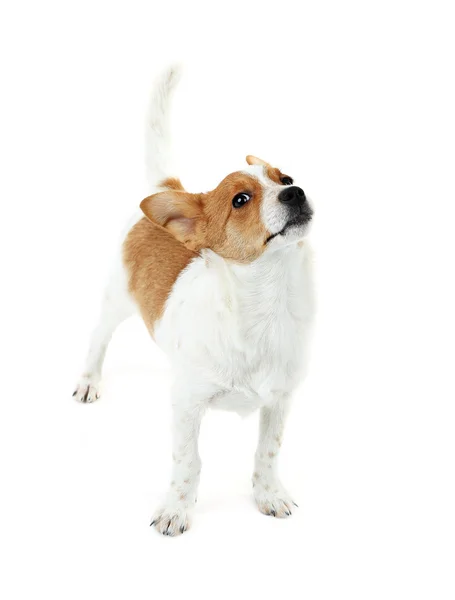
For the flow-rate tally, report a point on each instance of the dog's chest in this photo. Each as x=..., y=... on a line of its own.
x=243, y=328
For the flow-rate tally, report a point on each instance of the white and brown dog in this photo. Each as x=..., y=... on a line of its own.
x=223, y=282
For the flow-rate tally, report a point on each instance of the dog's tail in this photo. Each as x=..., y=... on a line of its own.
x=157, y=138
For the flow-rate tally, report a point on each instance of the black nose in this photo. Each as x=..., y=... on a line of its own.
x=292, y=195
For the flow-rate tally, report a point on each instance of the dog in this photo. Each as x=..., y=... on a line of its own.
x=223, y=281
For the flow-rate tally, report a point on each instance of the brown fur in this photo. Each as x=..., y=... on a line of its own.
x=154, y=260
x=254, y=160
x=172, y=183
x=274, y=174
x=179, y=212
x=236, y=234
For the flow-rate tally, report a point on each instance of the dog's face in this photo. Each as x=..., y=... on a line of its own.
x=247, y=213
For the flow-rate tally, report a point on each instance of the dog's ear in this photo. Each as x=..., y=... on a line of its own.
x=254, y=160
x=180, y=213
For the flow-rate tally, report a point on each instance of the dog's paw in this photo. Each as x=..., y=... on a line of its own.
x=273, y=501
x=171, y=520
x=87, y=390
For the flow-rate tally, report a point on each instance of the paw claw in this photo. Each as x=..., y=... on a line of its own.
x=86, y=391
x=277, y=503
x=171, y=521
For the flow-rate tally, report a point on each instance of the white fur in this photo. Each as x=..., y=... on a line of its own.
x=237, y=338
x=240, y=328
x=157, y=130
x=273, y=213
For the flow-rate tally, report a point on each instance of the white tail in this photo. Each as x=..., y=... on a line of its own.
x=157, y=140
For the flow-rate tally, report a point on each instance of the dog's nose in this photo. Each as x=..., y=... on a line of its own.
x=292, y=195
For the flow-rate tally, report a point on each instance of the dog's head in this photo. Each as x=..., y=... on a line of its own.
x=247, y=213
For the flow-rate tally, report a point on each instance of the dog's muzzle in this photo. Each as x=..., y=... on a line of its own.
x=299, y=209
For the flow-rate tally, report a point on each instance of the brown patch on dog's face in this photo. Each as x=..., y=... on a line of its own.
x=210, y=220
x=236, y=233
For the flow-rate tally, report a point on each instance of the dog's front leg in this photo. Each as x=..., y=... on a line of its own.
x=175, y=516
x=271, y=497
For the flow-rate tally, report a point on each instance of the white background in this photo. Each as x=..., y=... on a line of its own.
x=355, y=100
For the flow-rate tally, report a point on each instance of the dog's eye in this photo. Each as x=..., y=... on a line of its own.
x=240, y=200
x=287, y=180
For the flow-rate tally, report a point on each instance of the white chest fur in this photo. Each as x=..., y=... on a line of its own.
x=242, y=330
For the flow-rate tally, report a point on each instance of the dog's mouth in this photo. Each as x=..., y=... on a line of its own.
x=302, y=219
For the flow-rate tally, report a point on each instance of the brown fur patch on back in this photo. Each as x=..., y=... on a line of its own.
x=153, y=259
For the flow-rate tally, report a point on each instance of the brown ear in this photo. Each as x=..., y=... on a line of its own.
x=180, y=213
x=254, y=160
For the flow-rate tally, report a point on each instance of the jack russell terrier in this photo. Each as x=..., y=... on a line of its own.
x=223, y=281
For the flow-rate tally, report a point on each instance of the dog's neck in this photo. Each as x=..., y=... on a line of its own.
x=269, y=276
x=270, y=264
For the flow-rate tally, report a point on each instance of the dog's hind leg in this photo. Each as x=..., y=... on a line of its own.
x=117, y=306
